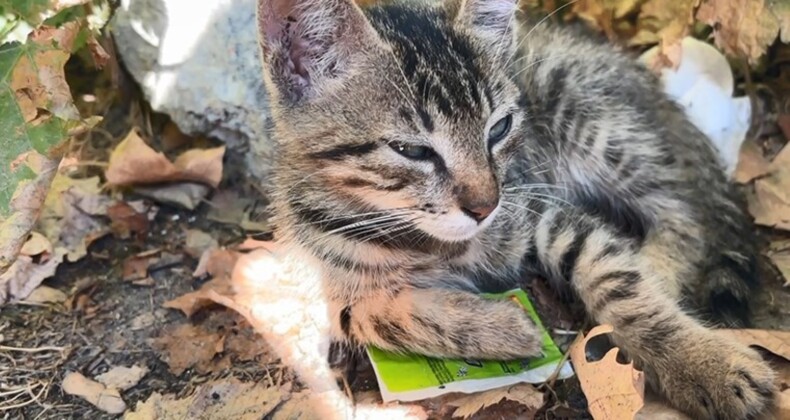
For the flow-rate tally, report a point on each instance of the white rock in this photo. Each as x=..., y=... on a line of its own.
x=199, y=63
x=703, y=85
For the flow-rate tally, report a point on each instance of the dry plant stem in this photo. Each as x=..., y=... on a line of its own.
x=32, y=350
x=25, y=207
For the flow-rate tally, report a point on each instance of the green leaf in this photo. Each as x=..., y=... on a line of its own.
x=36, y=108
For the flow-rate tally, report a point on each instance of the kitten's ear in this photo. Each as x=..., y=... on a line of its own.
x=308, y=46
x=493, y=22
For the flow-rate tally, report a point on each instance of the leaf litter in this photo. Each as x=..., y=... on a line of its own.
x=216, y=262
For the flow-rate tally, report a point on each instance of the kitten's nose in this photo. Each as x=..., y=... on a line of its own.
x=480, y=212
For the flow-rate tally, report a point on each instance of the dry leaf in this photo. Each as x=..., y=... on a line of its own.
x=613, y=390
x=667, y=22
x=71, y=217
x=126, y=221
x=25, y=275
x=46, y=294
x=231, y=208
x=742, y=28
x=777, y=342
x=185, y=346
x=134, y=162
x=227, y=399
x=38, y=79
x=25, y=207
x=36, y=244
x=770, y=203
x=524, y=394
x=107, y=400
x=781, y=9
x=751, y=163
x=198, y=242
x=187, y=195
x=779, y=253
x=121, y=377
x=136, y=267
x=251, y=244
x=217, y=263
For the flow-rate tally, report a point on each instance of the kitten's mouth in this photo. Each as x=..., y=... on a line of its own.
x=455, y=226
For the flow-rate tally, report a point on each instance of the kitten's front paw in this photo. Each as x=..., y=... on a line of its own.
x=513, y=334
x=715, y=378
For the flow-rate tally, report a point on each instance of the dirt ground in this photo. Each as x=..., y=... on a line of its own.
x=108, y=322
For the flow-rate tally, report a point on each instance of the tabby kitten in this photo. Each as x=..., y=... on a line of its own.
x=432, y=151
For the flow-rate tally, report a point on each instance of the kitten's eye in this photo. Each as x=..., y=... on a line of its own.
x=499, y=130
x=412, y=151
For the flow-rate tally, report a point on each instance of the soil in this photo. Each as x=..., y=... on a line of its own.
x=109, y=322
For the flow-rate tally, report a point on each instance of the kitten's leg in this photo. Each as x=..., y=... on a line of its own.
x=698, y=370
x=442, y=323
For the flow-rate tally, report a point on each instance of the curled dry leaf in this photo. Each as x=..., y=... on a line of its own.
x=231, y=208
x=122, y=377
x=134, y=162
x=227, y=399
x=37, y=244
x=770, y=203
x=185, y=346
x=779, y=253
x=107, y=400
x=613, y=390
x=751, y=163
x=23, y=212
x=126, y=221
x=45, y=294
x=777, y=342
x=198, y=242
x=742, y=28
x=666, y=22
x=524, y=394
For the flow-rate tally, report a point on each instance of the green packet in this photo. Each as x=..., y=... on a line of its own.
x=411, y=377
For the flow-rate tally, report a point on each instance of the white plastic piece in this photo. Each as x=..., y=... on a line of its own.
x=703, y=85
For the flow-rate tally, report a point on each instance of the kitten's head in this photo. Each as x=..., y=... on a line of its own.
x=404, y=108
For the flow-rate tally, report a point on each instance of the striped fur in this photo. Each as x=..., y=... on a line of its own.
x=602, y=185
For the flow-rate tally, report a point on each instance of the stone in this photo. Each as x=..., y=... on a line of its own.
x=199, y=62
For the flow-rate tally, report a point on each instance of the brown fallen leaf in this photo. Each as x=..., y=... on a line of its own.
x=217, y=263
x=45, y=294
x=122, y=377
x=251, y=244
x=231, y=208
x=25, y=275
x=24, y=209
x=134, y=162
x=751, y=163
x=187, y=195
x=107, y=400
x=185, y=346
x=126, y=221
x=136, y=268
x=777, y=342
x=37, y=244
x=38, y=79
x=227, y=399
x=742, y=28
x=72, y=216
x=524, y=394
x=666, y=22
x=779, y=253
x=613, y=390
x=198, y=242
x=770, y=202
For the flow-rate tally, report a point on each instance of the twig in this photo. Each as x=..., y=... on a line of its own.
x=33, y=350
x=34, y=398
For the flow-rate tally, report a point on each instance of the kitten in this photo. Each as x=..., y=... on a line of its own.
x=432, y=151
